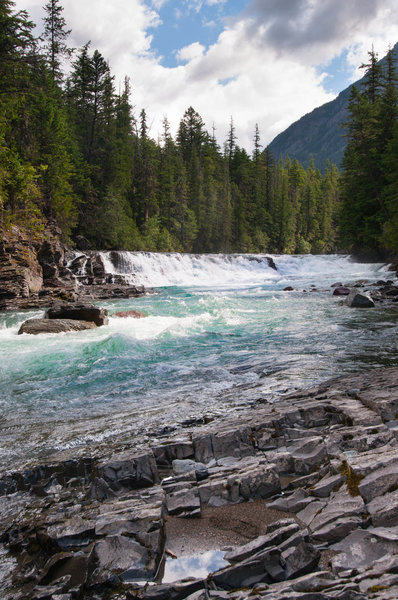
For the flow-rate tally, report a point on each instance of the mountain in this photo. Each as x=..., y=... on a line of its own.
x=319, y=133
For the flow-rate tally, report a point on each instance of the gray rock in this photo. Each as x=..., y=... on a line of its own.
x=264, y=568
x=383, y=510
x=73, y=533
x=308, y=514
x=357, y=299
x=341, y=290
x=360, y=550
x=341, y=504
x=166, y=453
x=80, y=312
x=259, y=481
x=37, y=326
x=181, y=467
x=300, y=560
x=336, y=530
x=292, y=503
x=179, y=590
x=308, y=455
x=327, y=485
x=100, y=490
x=185, y=503
x=273, y=538
x=122, y=557
x=131, y=472
x=379, y=482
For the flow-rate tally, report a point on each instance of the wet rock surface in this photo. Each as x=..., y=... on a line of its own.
x=36, y=326
x=325, y=458
x=39, y=270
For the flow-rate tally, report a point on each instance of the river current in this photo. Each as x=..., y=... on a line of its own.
x=221, y=335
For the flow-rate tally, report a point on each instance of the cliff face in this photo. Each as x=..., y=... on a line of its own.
x=31, y=269
x=20, y=271
x=40, y=271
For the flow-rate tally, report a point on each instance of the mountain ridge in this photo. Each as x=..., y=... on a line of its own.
x=319, y=133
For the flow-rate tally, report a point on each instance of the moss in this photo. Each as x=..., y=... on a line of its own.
x=377, y=588
x=353, y=480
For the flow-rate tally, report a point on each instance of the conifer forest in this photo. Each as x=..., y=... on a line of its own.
x=74, y=151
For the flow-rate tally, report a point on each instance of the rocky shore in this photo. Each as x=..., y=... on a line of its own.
x=316, y=474
x=40, y=271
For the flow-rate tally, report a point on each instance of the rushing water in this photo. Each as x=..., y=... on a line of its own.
x=221, y=333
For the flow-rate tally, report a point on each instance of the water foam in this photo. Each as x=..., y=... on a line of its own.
x=153, y=269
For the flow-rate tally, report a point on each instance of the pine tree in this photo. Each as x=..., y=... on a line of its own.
x=56, y=34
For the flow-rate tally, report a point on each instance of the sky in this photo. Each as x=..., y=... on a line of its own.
x=265, y=62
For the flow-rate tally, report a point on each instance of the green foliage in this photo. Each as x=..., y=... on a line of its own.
x=73, y=152
x=369, y=182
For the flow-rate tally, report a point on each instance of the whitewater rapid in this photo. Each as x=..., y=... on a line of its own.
x=209, y=270
x=221, y=334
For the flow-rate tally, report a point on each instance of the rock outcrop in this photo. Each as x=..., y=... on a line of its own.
x=326, y=457
x=37, y=271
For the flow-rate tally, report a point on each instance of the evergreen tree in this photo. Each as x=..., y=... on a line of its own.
x=56, y=34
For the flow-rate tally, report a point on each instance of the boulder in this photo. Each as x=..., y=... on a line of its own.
x=186, y=466
x=81, y=312
x=177, y=449
x=341, y=291
x=357, y=299
x=264, y=567
x=36, y=326
x=76, y=532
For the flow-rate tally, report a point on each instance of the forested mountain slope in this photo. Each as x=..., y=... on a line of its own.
x=319, y=133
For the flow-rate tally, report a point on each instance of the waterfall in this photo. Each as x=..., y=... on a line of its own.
x=154, y=269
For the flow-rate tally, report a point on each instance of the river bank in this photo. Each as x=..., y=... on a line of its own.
x=325, y=458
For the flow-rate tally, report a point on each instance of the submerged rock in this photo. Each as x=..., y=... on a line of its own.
x=125, y=314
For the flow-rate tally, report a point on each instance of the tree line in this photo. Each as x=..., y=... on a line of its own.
x=369, y=184
x=73, y=151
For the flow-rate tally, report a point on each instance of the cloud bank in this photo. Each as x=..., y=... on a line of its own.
x=267, y=66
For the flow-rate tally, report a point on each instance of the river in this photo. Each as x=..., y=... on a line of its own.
x=221, y=335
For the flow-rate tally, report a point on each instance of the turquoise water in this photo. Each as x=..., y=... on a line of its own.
x=226, y=338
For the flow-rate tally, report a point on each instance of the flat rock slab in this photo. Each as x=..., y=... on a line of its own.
x=274, y=538
x=293, y=503
x=360, y=550
x=379, y=482
x=37, y=326
x=80, y=312
x=383, y=510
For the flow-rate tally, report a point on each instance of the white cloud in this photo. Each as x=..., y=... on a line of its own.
x=262, y=69
x=191, y=52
